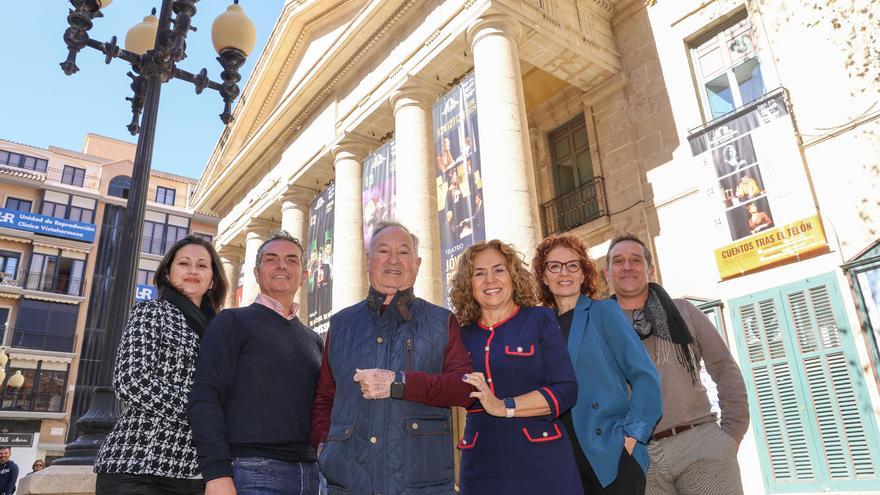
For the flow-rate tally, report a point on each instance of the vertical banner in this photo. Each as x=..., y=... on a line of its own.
x=753, y=171
x=320, y=260
x=459, y=183
x=379, y=194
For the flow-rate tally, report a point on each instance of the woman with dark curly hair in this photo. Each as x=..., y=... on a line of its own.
x=513, y=442
x=618, y=400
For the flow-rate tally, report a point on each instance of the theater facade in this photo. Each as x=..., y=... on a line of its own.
x=739, y=139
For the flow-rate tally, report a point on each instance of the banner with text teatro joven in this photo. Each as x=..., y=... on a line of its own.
x=319, y=261
x=753, y=170
x=379, y=190
x=459, y=184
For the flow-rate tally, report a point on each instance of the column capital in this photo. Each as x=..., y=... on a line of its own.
x=415, y=91
x=353, y=146
x=494, y=24
x=296, y=196
x=230, y=252
x=257, y=228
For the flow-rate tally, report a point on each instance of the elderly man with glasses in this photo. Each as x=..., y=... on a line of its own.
x=689, y=452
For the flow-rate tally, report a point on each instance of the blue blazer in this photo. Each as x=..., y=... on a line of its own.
x=607, y=355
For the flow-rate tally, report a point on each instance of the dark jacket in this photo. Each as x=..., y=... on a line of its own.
x=8, y=477
x=153, y=375
x=388, y=446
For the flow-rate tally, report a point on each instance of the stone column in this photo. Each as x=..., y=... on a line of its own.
x=257, y=230
x=230, y=258
x=508, y=176
x=349, y=263
x=416, y=187
x=295, y=220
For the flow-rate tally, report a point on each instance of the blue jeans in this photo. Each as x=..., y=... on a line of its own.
x=264, y=476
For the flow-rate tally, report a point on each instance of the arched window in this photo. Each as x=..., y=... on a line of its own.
x=119, y=186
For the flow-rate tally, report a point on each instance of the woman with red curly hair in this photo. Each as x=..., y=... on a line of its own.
x=618, y=400
x=513, y=441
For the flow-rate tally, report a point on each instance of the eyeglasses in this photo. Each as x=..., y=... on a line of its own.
x=572, y=266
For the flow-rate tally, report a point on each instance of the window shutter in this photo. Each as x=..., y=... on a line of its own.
x=830, y=385
x=778, y=401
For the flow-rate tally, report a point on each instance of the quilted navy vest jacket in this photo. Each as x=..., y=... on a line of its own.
x=387, y=446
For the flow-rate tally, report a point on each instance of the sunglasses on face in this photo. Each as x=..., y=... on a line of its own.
x=572, y=266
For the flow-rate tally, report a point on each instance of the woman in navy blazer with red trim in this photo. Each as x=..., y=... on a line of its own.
x=618, y=400
x=513, y=441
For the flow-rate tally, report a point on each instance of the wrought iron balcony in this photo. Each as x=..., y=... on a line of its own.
x=43, y=340
x=56, y=284
x=155, y=245
x=12, y=278
x=71, y=177
x=32, y=401
x=575, y=208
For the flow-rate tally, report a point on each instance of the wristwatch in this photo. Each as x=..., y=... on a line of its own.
x=510, y=406
x=398, y=386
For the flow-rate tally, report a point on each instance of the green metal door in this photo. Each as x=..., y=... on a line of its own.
x=809, y=405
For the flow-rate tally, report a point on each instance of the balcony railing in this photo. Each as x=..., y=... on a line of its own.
x=33, y=401
x=575, y=208
x=155, y=245
x=13, y=278
x=43, y=340
x=70, y=177
x=179, y=199
x=57, y=284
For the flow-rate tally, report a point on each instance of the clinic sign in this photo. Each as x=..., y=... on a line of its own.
x=46, y=225
x=143, y=292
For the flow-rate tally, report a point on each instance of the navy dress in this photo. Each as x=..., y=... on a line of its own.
x=520, y=455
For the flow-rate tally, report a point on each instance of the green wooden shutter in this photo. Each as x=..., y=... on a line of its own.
x=811, y=412
x=775, y=395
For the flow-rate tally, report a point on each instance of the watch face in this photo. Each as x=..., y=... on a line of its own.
x=397, y=390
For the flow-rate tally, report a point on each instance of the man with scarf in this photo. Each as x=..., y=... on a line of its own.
x=689, y=452
x=392, y=367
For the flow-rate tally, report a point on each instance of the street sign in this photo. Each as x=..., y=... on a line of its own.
x=17, y=439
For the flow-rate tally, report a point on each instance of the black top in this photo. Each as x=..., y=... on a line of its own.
x=583, y=464
x=255, y=383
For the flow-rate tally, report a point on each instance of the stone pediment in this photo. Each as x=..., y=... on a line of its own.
x=307, y=34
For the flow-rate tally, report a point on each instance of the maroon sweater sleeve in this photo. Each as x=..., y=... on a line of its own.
x=444, y=389
x=323, y=404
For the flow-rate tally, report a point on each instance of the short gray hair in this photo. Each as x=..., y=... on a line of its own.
x=387, y=224
x=278, y=235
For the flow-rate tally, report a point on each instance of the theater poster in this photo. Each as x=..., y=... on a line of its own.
x=319, y=249
x=754, y=174
x=379, y=195
x=459, y=183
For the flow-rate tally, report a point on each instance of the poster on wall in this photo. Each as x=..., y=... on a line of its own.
x=459, y=183
x=379, y=195
x=319, y=249
x=754, y=173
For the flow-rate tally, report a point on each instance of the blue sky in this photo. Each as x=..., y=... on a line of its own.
x=40, y=106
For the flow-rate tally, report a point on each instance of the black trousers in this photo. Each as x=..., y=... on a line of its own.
x=146, y=484
x=630, y=479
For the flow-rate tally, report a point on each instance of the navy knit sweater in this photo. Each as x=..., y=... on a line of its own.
x=255, y=383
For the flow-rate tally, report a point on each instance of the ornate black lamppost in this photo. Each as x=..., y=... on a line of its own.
x=153, y=48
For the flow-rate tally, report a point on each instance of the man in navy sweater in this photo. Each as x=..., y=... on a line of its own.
x=8, y=472
x=255, y=382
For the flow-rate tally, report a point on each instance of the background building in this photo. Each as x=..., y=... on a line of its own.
x=53, y=201
x=739, y=139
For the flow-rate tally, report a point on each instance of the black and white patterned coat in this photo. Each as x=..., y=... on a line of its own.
x=153, y=375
